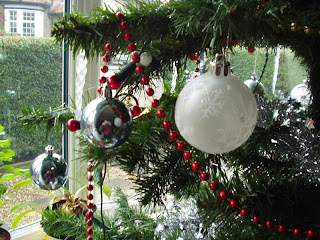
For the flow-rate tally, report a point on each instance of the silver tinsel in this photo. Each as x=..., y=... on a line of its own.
x=182, y=218
x=301, y=141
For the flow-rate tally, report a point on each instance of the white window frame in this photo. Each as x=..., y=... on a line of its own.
x=13, y=22
x=28, y=23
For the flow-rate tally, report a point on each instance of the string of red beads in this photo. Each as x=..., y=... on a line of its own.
x=89, y=214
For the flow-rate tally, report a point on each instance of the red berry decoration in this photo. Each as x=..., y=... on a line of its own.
x=89, y=238
x=296, y=231
x=90, y=187
x=135, y=111
x=140, y=69
x=100, y=90
x=195, y=166
x=161, y=113
x=132, y=47
x=173, y=135
x=167, y=124
x=233, y=204
x=269, y=224
x=255, y=219
x=282, y=228
x=106, y=58
x=89, y=196
x=120, y=15
x=128, y=36
x=213, y=185
x=244, y=212
x=155, y=103
x=194, y=57
x=89, y=215
x=115, y=82
x=89, y=231
x=150, y=92
x=180, y=146
x=89, y=223
x=107, y=47
x=251, y=50
x=135, y=58
x=90, y=178
x=187, y=155
x=124, y=25
x=311, y=234
x=223, y=195
x=204, y=176
x=264, y=2
x=145, y=80
x=103, y=80
x=73, y=125
x=104, y=69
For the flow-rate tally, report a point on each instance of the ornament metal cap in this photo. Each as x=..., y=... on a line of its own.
x=49, y=150
x=220, y=64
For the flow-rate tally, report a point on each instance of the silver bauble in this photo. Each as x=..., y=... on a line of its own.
x=255, y=86
x=301, y=94
x=106, y=122
x=49, y=171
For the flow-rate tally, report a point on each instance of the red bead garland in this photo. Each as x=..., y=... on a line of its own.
x=89, y=214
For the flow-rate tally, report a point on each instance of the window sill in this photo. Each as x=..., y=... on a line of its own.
x=32, y=231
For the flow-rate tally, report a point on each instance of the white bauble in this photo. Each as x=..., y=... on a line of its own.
x=300, y=93
x=145, y=59
x=216, y=114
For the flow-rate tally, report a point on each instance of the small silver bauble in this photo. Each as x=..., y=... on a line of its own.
x=106, y=122
x=255, y=86
x=49, y=171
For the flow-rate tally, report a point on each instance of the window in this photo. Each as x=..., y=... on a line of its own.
x=13, y=22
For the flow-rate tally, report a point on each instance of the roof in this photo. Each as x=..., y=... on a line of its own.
x=57, y=8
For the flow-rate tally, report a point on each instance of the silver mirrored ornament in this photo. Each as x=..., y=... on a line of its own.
x=106, y=122
x=49, y=171
x=255, y=86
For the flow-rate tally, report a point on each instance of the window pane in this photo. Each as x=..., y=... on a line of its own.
x=30, y=73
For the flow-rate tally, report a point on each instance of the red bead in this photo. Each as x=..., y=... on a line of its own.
x=103, y=80
x=135, y=110
x=100, y=90
x=90, y=187
x=89, y=169
x=187, y=155
x=223, y=195
x=195, y=166
x=90, y=178
x=167, y=124
x=155, y=103
x=89, y=223
x=181, y=147
x=140, y=69
x=89, y=238
x=90, y=196
x=251, y=50
x=107, y=47
x=73, y=125
x=132, y=47
x=124, y=24
x=115, y=82
x=104, y=69
x=135, y=58
x=150, y=92
x=296, y=231
x=282, y=228
x=161, y=113
x=311, y=234
x=90, y=206
x=234, y=43
x=173, y=135
x=269, y=224
x=89, y=231
x=194, y=57
x=120, y=15
x=244, y=212
x=233, y=204
x=106, y=58
x=255, y=219
x=264, y=2
x=145, y=80
x=204, y=176
x=128, y=36
x=89, y=215
x=214, y=185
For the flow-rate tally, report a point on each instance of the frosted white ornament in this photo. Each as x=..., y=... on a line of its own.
x=145, y=59
x=300, y=93
x=216, y=113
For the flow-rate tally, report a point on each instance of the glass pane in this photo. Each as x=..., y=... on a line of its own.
x=30, y=73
